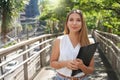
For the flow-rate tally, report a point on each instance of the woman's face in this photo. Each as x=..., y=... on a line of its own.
x=74, y=23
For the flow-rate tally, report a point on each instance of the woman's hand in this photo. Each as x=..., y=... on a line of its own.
x=86, y=69
x=72, y=64
x=79, y=63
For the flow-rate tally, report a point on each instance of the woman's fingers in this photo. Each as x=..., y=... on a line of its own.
x=72, y=65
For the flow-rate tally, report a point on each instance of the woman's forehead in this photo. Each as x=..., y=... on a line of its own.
x=74, y=15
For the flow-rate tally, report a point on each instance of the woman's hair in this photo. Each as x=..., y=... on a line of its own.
x=83, y=35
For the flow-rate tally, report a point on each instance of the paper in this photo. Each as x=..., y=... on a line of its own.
x=86, y=53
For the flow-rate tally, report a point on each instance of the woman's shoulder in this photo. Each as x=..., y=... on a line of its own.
x=61, y=37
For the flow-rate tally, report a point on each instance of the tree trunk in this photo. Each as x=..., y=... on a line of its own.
x=110, y=30
x=4, y=26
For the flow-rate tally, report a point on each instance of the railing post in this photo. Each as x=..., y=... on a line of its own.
x=42, y=58
x=25, y=65
x=1, y=68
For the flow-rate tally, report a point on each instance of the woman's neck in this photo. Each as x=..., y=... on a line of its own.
x=74, y=35
x=74, y=39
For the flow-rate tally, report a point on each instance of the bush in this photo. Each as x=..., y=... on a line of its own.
x=10, y=44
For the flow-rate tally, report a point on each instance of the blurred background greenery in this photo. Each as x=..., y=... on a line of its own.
x=102, y=15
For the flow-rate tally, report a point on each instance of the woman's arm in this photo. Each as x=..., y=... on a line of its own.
x=89, y=69
x=55, y=56
x=86, y=69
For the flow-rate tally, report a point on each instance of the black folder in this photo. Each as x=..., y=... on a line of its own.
x=85, y=53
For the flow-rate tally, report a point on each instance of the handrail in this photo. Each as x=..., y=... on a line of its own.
x=114, y=38
x=109, y=48
x=35, y=55
x=7, y=50
x=3, y=63
x=38, y=58
x=109, y=44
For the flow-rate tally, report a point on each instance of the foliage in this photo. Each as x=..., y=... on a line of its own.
x=99, y=14
x=8, y=10
x=10, y=44
x=118, y=44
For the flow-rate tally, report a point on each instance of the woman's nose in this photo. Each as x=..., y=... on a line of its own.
x=74, y=22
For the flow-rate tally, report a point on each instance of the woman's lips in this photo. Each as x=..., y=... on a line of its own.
x=74, y=27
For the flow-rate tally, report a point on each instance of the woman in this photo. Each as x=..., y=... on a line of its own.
x=65, y=49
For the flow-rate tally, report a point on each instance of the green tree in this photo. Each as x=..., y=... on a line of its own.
x=100, y=14
x=8, y=10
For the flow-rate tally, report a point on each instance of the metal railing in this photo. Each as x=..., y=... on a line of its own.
x=32, y=54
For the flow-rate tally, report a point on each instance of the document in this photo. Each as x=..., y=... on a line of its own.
x=86, y=53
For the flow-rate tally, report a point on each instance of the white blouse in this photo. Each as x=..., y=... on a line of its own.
x=67, y=52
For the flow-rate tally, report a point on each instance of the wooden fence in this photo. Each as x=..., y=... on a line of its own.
x=108, y=45
x=32, y=54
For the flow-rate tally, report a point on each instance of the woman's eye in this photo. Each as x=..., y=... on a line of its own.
x=71, y=19
x=78, y=20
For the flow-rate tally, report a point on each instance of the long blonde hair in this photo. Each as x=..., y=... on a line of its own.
x=83, y=35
